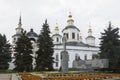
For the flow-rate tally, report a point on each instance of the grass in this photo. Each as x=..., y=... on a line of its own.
x=7, y=71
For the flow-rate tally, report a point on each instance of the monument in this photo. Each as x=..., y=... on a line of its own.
x=90, y=63
x=64, y=57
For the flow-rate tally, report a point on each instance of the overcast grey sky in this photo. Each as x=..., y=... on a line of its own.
x=34, y=12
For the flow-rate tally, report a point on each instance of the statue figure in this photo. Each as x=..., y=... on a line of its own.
x=64, y=57
x=64, y=39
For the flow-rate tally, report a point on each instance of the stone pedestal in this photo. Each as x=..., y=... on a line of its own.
x=64, y=61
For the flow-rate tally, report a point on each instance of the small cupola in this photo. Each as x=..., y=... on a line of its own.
x=90, y=39
x=70, y=20
x=56, y=36
x=56, y=30
x=89, y=31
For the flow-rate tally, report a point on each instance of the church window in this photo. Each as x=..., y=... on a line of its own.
x=57, y=57
x=67, y=35
x=77, y=36
x=57, y=39
x=18, y=38
x=73, y=35
x=64, y=34
x=76, y=56
x=14, y=39
x=56, y=64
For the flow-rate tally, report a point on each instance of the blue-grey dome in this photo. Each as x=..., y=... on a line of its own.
x=70, y=26
x=56, y=35
x=32, y=33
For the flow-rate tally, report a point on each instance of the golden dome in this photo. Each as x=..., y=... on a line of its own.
x=56, y=26
x=80, y=36
x=70, y=15
x=89, y=30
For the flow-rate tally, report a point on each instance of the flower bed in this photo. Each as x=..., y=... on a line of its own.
x=67, y=76
x=28, y=76
x=71, y=74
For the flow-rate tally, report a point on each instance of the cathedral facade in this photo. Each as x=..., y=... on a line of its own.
x=75, y=47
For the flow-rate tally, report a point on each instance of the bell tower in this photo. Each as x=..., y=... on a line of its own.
x=19, y=29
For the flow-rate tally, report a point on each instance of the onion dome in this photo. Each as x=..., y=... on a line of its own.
x=56, y=26
x=89, y=30
x=80, y=36
x=70, y=19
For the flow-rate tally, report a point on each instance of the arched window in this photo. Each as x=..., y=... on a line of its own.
x=32, y=39
x=57, y=39
x=76, y=56
x=14, y=39
x=73, y=35
x=17, y=39
x=77, y=36
x=56, y=64
x=57, y=57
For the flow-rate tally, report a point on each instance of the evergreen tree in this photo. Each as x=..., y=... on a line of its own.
x=44, y=60
x=110, y=46
x=5, y=52
x=23, y=51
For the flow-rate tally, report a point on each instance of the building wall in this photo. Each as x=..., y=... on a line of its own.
x=55, y=39
x=90, y=41
x=72, y=51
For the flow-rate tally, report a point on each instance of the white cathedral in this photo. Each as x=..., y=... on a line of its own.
x=74, y=45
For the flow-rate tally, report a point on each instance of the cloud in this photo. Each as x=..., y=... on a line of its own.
x=34, y=12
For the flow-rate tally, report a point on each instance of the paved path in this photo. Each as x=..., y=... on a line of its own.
x=5, y=76
x=15, y=77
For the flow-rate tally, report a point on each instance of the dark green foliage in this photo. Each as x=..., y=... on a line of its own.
x=110, y=46
x=44, y=60
x=5, y=53
x=23, y=51
x=108, y=70
x=95, y=56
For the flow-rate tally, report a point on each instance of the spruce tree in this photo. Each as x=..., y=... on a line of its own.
x=23, y=54
x=110, y=46
x=44, y=60
x=5, y=52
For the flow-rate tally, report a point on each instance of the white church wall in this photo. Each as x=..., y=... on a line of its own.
x=90, y=41
x=55, y=39
x=72, y=51
x=57, y=52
